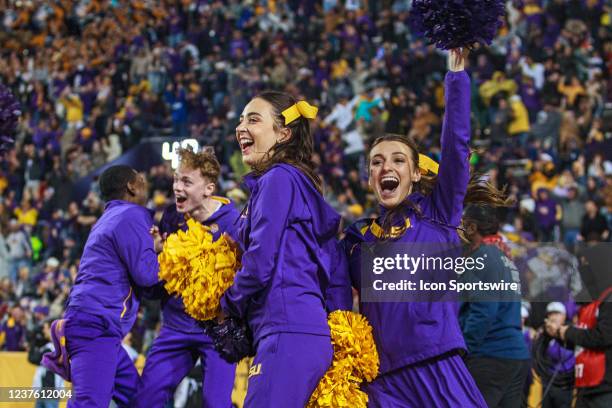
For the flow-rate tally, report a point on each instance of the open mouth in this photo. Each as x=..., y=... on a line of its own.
x=245, y=142
x=181, y=200
x=388, y=184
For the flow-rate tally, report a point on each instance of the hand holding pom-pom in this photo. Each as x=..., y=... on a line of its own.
x=198, y=269
x=232, y=338
x=232, y=244
x=457, y=23
x=457, y=58
x=158, y=239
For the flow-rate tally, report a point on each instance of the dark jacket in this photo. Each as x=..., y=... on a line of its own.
x=595, y=273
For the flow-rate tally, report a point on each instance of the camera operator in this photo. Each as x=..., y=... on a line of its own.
x=554, y=363
x=592, y=335
x=39, y=342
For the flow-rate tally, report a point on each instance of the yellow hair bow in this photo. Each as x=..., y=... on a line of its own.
x=427, y=164
x=302, y=108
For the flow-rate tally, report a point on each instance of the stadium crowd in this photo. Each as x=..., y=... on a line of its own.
x=95, y=78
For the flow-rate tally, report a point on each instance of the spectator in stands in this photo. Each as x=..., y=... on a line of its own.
x=24, y=286
x=19, y=248
x=26, y=215
x=548, y=214
x=572, y=212
x=4, y=255
x=594, y=225
x=12, y=331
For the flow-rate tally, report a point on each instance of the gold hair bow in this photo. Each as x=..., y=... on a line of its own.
x=302, y=108
x=427, y=164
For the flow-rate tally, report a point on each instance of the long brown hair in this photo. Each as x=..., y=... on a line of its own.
x=479, y=190
x=297, y=150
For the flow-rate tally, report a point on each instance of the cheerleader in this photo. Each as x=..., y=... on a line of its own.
x=290, y=246
x=103, y=304
x=419, y=344
x=181, y=340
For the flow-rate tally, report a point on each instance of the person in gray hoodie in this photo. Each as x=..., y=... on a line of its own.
x=573, y=211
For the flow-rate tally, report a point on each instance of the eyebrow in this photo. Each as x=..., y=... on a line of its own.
x=394, y=153
x=250, y=114
x=183, y=177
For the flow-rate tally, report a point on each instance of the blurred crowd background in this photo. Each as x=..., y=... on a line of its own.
x=96, y=78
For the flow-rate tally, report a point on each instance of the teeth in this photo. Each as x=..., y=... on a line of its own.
x=245, y=140
x=390, y=178
x=389, y=183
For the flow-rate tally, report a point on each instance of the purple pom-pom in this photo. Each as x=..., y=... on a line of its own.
x=457, y=23
x=232, y=338
x=9, y=116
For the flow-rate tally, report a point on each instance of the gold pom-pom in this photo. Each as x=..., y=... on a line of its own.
x=198, y=269
x=355, y=360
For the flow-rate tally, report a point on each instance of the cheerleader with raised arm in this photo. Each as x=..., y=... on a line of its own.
x=420, y=343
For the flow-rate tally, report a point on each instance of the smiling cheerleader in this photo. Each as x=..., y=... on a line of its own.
x=419, y=343
x=289, y=238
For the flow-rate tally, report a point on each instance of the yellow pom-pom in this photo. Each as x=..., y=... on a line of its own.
x=355, y=360
x=352, y=338
x=198, y=269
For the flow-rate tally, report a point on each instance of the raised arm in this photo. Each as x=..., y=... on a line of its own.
x=454, y=172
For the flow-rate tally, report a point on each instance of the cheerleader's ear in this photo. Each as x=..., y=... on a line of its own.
x=285, y=134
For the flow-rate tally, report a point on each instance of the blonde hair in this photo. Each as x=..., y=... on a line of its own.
x=205, y=161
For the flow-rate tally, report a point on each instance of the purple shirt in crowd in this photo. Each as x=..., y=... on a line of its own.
x=14, y=335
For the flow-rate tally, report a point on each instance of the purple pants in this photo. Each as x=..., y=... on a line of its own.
x=287, y=369
x=101, y=369
x=172, y=356
x=439, y=382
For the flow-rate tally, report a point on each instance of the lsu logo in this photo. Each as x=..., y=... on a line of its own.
x=255, y=370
